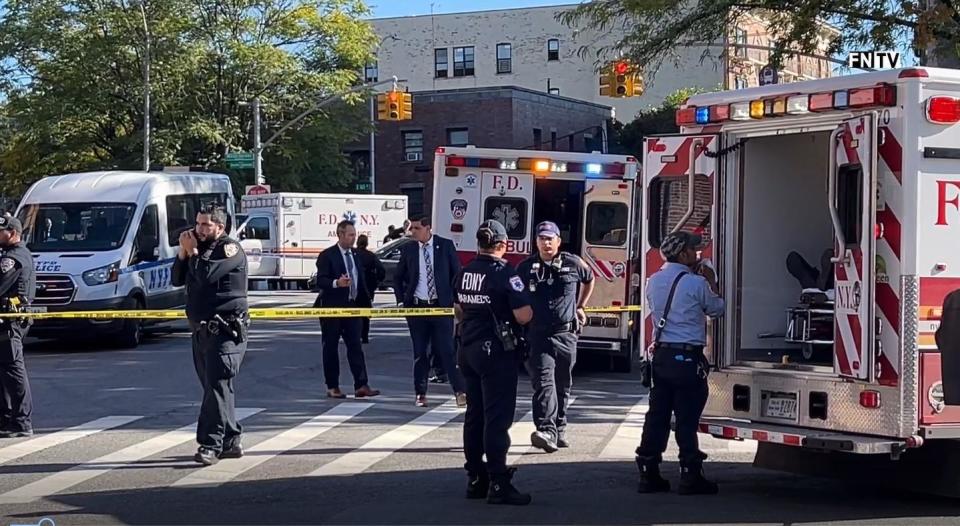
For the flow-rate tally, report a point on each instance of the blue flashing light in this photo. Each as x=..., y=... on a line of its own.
x=594, y=168
x=703, y=115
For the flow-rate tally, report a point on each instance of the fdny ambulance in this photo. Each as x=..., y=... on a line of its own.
x=593, y=198
x=863, y=173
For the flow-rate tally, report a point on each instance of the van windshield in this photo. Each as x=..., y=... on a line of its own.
x=75, y=227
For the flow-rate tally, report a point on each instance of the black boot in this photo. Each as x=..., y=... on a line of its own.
x=692, y=481
x=503, y=492
x=477, y=485
x=650, y=479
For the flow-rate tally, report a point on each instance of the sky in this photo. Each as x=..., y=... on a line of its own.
x=391, y=8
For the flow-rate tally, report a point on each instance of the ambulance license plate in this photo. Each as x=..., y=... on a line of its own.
x=778, y=407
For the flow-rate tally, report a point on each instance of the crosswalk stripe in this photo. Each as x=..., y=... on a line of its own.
x=627, y=437
x=520, y=436
x=270, y=448
x=78, y=474
x=379, y=448
x=70, y=434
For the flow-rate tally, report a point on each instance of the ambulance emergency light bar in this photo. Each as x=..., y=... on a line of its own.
x=539, y=166
x=794, y=104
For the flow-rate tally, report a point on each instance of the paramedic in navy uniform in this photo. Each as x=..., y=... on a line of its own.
x=679, y=366
x=490, y=300
x=560, y=285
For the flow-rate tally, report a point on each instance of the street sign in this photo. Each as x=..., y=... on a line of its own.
x=363, y=186
x=257, y=189
x=768, y=75
x=240, y=160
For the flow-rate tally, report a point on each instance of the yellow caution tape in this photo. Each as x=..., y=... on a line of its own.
x=272, y=313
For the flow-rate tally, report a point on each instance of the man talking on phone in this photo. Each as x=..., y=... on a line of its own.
x=680, y=296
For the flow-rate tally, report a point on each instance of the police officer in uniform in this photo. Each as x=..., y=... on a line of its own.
x=490, y=302
x=214, y=269
x=17, y=290
x=680, y=297
x=560, y=284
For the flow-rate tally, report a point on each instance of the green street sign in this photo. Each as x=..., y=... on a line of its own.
x=240, y=157
x=239, y=164
x=363, y=187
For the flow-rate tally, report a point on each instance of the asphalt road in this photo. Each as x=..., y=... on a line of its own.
x=116, y=437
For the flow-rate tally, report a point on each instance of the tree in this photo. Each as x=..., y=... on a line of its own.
x=653, y=30
x=628, y=138
x=71, y=73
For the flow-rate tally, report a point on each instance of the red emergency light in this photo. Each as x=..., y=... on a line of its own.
x=686, y=116
x=719, y=112
x=879, y=95
x=943, y=110
x=821, y=101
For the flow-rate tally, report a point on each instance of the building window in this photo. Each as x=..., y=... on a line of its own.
x=441, y=63
x=457, y=137
x=740, y=38
x=740, y=82
x=370, y=72
x=553, y=140
x=570, y=146
x=537, y=138
x=554, y=91
x=463, y=61
x=588, y=142
x=504, y=58
x=412, y=146
x=553, y=49
x=414, y=199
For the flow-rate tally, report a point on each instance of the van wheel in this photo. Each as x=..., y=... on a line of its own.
x=132, y=333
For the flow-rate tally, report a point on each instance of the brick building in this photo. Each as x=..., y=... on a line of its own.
x=494, y=117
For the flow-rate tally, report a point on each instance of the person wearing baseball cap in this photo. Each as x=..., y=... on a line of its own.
x=490, y=302
x=680, y=296
x=17, y=290
x=559, y=284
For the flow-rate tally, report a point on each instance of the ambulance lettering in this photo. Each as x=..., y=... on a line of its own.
x=513, y=182
x=848, y=296
x=369, y=220
x=519, y=246
x=329, y=219
x=943, y=201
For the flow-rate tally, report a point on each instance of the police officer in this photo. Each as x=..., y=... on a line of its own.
x=491, y=304
x=553, y=279
x=680, y=297
x=214, y=269
x=17, y=290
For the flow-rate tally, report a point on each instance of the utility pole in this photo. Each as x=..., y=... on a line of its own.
x=146, y=88
x=257, y=148
x=373, y=143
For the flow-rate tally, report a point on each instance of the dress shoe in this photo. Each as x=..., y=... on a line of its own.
x=543, y=441
x=366, y=392
x=421, y=400
x=461, y=399
x=206, y=456
x=335, y=393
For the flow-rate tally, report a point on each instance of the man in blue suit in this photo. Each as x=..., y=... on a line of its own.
x=424, y=278
x=342, y=284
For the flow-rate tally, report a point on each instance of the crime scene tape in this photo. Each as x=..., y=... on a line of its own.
x=272, y=313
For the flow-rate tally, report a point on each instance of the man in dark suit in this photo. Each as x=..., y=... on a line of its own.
x=342, y=284
x=424, y=278
x=373, y=275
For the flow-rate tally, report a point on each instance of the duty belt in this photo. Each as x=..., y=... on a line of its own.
x=680, y=347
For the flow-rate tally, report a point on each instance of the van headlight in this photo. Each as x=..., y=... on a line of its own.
x=102, y=275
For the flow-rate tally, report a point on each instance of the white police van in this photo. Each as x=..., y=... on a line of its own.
x=107, y=241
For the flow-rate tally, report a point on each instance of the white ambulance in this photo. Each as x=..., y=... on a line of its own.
x=107, y=241
x=864, y=168
x=283, y=233
x=593, y=198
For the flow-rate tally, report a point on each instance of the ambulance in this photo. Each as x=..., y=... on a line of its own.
x=283, y=233
x=863, y=172
x=595, y=200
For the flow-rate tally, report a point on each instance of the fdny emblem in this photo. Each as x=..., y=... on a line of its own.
x=350, y=216
x=516, y=283
x=459, y=208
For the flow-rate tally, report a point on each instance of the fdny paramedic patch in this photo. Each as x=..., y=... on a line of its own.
x=231, y=249
x=516, y=283
x=6, y=264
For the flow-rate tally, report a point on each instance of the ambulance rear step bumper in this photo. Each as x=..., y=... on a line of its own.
x=804, y=438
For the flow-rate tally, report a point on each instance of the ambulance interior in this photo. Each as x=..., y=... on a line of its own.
x=560, y=201
x=783, y=196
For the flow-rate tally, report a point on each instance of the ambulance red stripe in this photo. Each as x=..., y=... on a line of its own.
x=891, y=230
x=889, y=305
x=892, y=153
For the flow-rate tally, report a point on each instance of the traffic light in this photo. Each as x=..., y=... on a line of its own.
x=395, y=105
x=383, y=108
x=621, y=79
x=406, y=106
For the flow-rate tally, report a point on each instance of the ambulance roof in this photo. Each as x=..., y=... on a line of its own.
x=116, y=186
x=861, y=80
x=302, y=195
x=470, y=151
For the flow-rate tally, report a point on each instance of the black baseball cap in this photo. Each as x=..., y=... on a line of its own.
x=499, y=233
x=11, y=223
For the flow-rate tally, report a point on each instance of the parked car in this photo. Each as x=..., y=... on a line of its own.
x=389, y=256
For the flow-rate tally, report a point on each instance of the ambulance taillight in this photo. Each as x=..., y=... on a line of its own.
x=943, y=110
x=880, y=95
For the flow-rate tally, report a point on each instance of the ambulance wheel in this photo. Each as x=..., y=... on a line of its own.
x=131, y=334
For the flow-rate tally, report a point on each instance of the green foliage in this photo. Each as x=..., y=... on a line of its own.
x=71, y=82
x=628, y=138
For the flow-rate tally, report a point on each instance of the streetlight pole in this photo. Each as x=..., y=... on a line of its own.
x=146, y=89
x=257, y=148
x=373, y=144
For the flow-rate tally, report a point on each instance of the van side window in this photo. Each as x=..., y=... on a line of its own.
x=148, y=236
x=668, y=204
x=850, y=201
x=511, y=212
x=607, y=224
x=257, y=228
x=182, y=212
